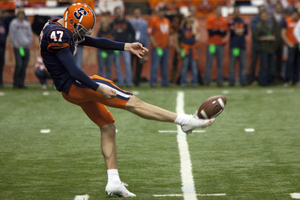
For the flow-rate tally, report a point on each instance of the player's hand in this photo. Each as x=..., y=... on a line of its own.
x=136, y=48
x=107, y=93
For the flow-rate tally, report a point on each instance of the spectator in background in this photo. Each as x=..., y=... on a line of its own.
x=123, y=32
x=20, y=35
x=296, y=4
x=8, y=7
x=107, y=7
x=79, y=54
x=105, y=57
x=242, y=2
x=8, y=12
x=296, y=31
x=153, y=4
x=175, y=26
x=172, y=9
x=271, y=4
x=293, y=63
x=3, y=34
x=264, y=36
x=194, y=15
x=159, y=32
x=238, y=30
x=140, y=26
x=205, y=8
x=41, y=72
x=277, y=20
x=64, y=3
x=89, y=3
x=255, y=52
x=188, y=50
x=217, y=28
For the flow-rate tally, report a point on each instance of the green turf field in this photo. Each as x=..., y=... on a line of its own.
x=264, y=164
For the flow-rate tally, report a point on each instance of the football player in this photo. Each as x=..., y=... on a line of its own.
x=58, y=41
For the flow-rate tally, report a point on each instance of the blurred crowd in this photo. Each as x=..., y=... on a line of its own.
x=275, y=42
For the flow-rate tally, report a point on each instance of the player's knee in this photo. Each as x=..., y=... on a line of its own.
x=109, y=128
x=133, y=103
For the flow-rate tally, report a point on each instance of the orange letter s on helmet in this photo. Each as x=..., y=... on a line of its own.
x=80, y=20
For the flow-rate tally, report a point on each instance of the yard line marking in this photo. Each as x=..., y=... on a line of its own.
x=180, y=195
x=249, y=129
x=82, y=197
x=168, y=195
x=45, y=131
x=172, y=131
x=295, y=195
x=167, y=131
x=225, y=92
x=2, y=93
x=212, y=195
x=46, y=93
x=269, y=91
x=188, y=187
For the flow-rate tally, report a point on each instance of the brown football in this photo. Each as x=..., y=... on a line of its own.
x=212, y=107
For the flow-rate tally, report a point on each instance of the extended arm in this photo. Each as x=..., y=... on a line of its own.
x=103, y=43
x=135, y=48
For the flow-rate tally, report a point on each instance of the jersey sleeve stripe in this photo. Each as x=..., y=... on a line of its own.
x=57, y=46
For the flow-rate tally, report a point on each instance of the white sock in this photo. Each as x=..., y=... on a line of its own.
x=182, y=119
x=113, y=176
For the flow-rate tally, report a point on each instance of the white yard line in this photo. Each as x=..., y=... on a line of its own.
x=45, y=131
x=173, y=131
x=249, y=129
x=188, y=187
x=82, y=197
x=295, y=195
x=180, y=195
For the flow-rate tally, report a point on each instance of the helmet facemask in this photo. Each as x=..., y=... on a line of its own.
x=80, y=31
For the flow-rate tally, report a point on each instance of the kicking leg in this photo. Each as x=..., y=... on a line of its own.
x=148, y=111
x=126, y=100
x=188, y=122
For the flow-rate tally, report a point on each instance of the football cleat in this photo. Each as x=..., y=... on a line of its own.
x=196, y=122
x=118, y=189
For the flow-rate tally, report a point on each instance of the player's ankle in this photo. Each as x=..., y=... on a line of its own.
x=182, y=119
x=113, y=176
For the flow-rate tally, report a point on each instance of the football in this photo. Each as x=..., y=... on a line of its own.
x=212, y=107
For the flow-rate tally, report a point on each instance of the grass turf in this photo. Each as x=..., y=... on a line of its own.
x=67, y=161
